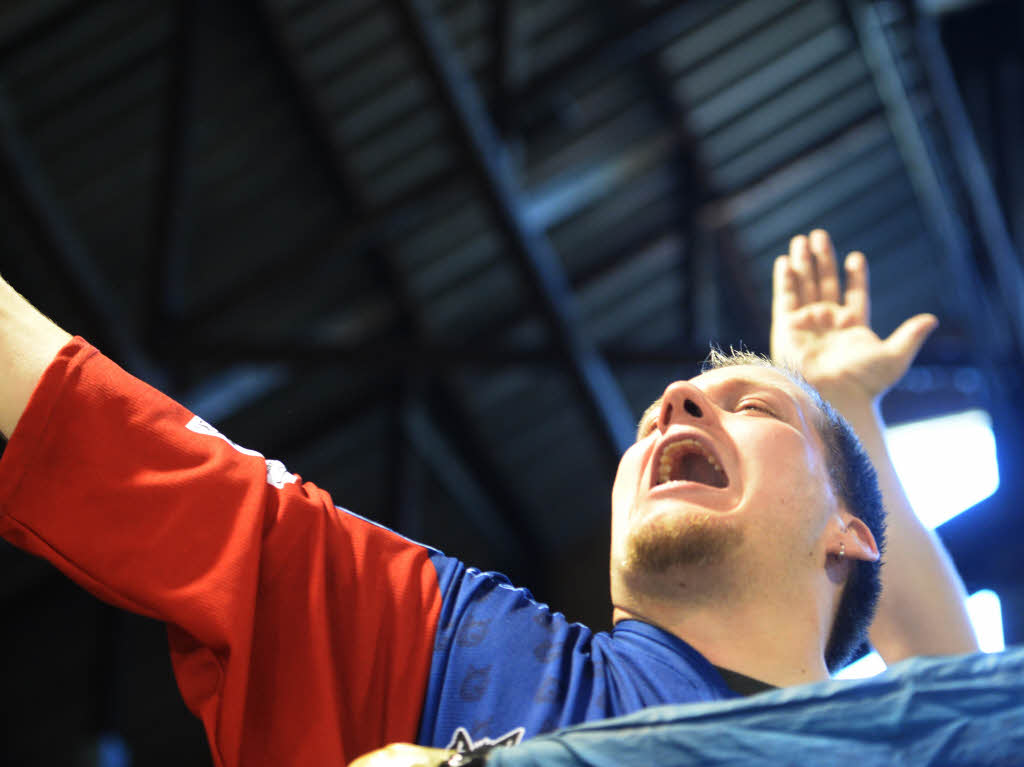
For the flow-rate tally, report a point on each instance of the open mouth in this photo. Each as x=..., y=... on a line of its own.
x=686, y=460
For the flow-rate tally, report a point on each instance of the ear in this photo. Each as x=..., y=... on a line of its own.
x=854, y=540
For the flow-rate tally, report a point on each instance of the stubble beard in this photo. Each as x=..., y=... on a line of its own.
x=697, y=540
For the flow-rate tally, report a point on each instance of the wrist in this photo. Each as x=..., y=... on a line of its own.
x=855, y=405
x=846, y=395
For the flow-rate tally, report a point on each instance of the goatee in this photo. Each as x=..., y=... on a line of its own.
x=666, y=542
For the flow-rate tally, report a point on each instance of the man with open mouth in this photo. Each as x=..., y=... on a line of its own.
x=747, y=535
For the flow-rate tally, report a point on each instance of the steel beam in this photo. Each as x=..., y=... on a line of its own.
x=694, y=185
x=404, y=484
x=936, y=201
x=437, y=452
x=433, y=358
x=340, y=172
x=93, y=296
x=417, y=425
x=504, y=69
x=981, y=194
x=540, y=264
x=641, y=32
x=263, y=360
x=368, y=230
x=25, y=26
x=173, y=210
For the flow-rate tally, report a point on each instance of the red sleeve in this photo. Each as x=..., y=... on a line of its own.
x=300, y=634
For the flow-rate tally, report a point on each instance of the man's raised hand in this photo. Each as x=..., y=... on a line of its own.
x=825, y=332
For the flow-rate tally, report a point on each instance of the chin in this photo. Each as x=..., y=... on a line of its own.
x=664, y=540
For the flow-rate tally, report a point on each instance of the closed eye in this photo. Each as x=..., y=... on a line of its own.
x=754, y=407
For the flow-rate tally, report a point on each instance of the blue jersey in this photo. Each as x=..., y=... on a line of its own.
x=506, y=667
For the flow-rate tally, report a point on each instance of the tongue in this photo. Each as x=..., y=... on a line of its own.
x=696, y=468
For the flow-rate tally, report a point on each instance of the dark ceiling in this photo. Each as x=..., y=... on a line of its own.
x=438, y=256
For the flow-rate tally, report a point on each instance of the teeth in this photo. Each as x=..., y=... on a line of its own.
x=669, y=453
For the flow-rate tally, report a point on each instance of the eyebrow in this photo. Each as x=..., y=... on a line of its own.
x=753, y=383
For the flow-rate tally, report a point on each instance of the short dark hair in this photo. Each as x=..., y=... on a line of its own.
x=855, y=482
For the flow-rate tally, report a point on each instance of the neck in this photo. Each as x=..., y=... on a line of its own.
x=775, y=637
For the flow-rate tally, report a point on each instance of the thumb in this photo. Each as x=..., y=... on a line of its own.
x=907, y=339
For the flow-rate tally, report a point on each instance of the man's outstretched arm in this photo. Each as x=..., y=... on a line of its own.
x=276, y=600
x=28, y=343
x=826, y=335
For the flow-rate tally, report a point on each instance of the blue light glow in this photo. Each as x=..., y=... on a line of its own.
x=986, y=616
x=946, y=464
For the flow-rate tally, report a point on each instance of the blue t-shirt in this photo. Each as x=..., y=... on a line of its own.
x=506, y=667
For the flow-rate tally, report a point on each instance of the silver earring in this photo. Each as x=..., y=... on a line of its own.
x=842, y=551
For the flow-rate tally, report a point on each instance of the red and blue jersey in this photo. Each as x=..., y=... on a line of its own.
x=301, y=633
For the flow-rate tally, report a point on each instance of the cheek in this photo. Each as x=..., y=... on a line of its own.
x=787, y=467
x=627, y=479
x=800, y=489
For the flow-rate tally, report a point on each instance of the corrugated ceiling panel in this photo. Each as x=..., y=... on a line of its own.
x=541, y=417
x=639, y=304
x=732, y=22
x=730, y=100
x=565, y=27
x=260, y=188
x=385, y=114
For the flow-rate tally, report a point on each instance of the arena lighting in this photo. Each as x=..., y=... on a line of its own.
x=986, y=615
x=929, y=454
x=987, y=618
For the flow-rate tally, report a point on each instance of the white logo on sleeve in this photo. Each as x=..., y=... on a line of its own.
x=463, y=743
x=277, y=474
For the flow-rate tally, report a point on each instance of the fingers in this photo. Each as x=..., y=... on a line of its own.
x=802, y=263
x=905, y=341
x=810, y=275
x=825, y=266
x=785, y=297
x=858, y=297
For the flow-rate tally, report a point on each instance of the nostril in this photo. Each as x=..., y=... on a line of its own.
x=668, y=412
x=692, y=408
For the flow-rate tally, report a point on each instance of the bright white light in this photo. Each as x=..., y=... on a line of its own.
x=987, y=618
x=946, y=464
x=870, y=665
x=985, y=612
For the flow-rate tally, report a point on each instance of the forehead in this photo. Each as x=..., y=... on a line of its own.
x=751, y=376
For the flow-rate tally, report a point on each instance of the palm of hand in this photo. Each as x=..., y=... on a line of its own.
x=835, y=351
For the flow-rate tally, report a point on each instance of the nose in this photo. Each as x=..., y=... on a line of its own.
x=681, y=401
